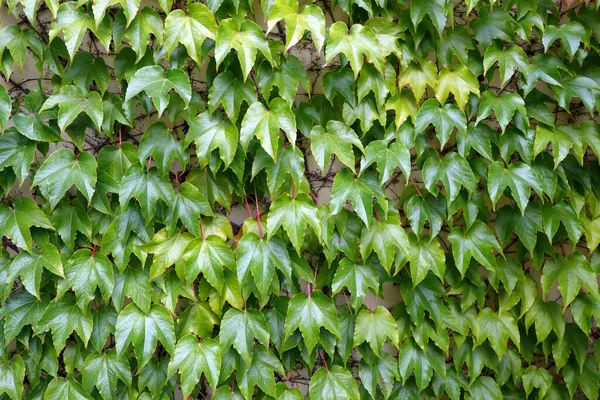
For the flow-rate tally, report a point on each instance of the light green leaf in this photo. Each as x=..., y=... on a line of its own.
x=193, y=357
x=337, y=139
x=16, y=222
x=212, y=131
x=294, y=214
x=240, y=329
x=191, y=30
x=386, y=328
x=334, y=384
x=477, y=242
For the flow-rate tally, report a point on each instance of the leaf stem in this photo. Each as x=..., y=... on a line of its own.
x=94, y=250
x=323, y=358
x=260, y=233
x=202, y=229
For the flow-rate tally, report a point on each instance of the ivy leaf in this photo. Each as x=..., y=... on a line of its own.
x=426, y=208
x=572, y=272
x=144, y=330
x=336, y=139
x=383, y=374
x=358, y=277
x=191, y=30
x=504, y=106
x=146, y=187
x=564, y=138
x=69, y=219
x=85, y=271
x=103, y=371
x=413, y=359
x=16, y=222
x=386, y=328
x=455, y=42
x=309, y=314
x=74, y=23
x=294, y=214
x=485, y=387
x=66, y=389
x=419, y=76
x=519, y=177
x=576, y=86
x=160, y=144
x=240, y=328
x=261, y=373
x=167, y=250
x=64, y=317
x=265, y=124
x=193, y=357
x=5, y=107
x=135, y=284
x=340, y=80
x=359, y=43
x=146, y=22
x=187, y=206
x=212, y=131
x=84, y=69
x=333, y=384
x=291, y=71
x=539, y=378
x=22, y=308
x=476, y=242
x=29, y=267
x=509, y=59
x=245, y=38
x=495, y=24
x=360, y=191
x=16, y=151
x=425, y=255
x=12, y=375
x=230, y=91
x=547, y=318
x=73, y=100
x=496, y=328
x=157, y=84
x=404, y=105
x=570, y=34
x=453, y=170
x=545, y=67
x=383, y=236
x=387, y=159
x=444, y=118
x=460, y=82
x=208, y=256
x=437, y=10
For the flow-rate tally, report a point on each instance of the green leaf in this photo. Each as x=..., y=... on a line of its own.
x=426, y=208
x=74, y=23
x=230, y=91
x=29, y=267
x=453, y=170
x=84, y=69
x=212, y=131
x=260, y=257
x=144, y=331
x=69, y=219
x=64, y=317
x=193, y=357
x=496, y=328
x=504, y=107
x=265, y=125
x=146, y=187
x=477, y=242
x=359, y=43
x=294, y=214
x=579, y=86
x=103, y=371
x=246, y=39
x=485, y=387
x=386, y=328
x=337, y=139
x=158, y=143
x=167, y=250
x=18, y=152
x=67, y=389
x=309, y=314
x=358, y=277
x=547, y=318
x=335, y=383
x=146, y=22
x=444, y=118
x=437, y=10
x=564, y=138
x=404, y=105
x=157, y=84
x=73, y=100
x=11, y=377
x=310, y=18
x=16, y=222
x=61, y=170
x=240, y=328
x=360, y=191
x=208, y=256
x=261, y=373
x=84, y=272
x=460, y=82
x=191, y=30
x=291, y=71
x=519, y=177
x=493, y=24
x=383, y=237
x=570, y=34
x=425, y=255
x=21, y=309
x=572, y=273
x=455, y=42
x=419, y=76
x=187, y=206
x=509, y=59
x=387, y=158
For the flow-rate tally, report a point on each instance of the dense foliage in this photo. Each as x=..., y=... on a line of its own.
x=419, y=182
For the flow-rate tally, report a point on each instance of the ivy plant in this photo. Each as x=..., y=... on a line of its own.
x=274, y=199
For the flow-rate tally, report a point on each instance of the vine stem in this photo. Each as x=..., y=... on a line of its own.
x=260, y=233
x=324, y=361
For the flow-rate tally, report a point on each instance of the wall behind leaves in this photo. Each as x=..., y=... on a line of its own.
x=279, y=200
